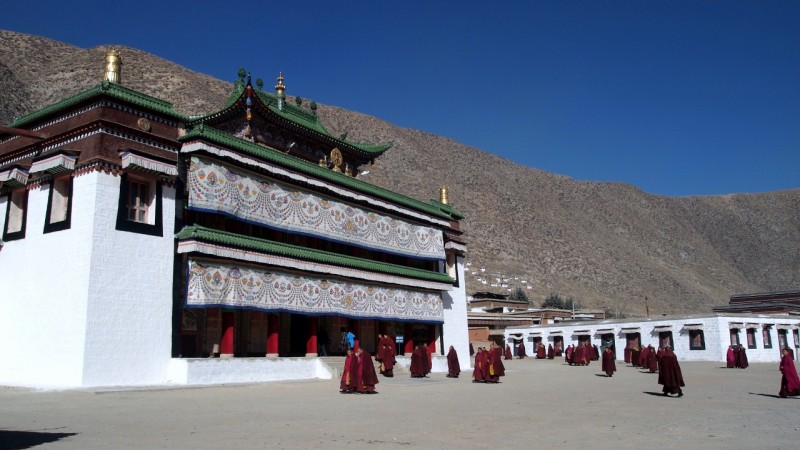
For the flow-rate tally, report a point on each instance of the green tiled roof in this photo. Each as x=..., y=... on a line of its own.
x=112, y=90
x=215, y=136
x=295, y=115
x=209, y=235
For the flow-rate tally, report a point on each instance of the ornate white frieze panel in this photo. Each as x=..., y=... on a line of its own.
x=235, y=286
x=216, y=187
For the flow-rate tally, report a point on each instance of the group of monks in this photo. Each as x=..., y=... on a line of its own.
x=736, y=357
x=541, y=353
x=488, y=365
x=358, y=375
x=421, y=360
x=581, y=354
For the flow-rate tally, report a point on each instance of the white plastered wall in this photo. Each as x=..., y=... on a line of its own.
x=454, y=329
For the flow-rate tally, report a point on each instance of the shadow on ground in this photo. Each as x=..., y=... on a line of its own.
x=12, y=440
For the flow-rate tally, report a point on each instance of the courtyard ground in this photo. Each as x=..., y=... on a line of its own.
x=538, y=404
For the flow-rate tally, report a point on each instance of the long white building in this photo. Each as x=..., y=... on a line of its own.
x=693, y=337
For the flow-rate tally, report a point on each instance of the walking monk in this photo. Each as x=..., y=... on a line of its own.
x=348, y=383
x=790, y=383
x=365, y=376
x=609, y=366
x=669, y=374
x=453, y=366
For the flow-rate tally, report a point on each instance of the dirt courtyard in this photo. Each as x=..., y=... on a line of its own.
x=538, y=404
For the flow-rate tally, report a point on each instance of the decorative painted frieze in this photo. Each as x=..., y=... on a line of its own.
x=216, y=187
x=235, y=286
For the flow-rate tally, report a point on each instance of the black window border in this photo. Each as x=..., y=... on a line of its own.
x=123, y=224
x=692, y=334
x=65, y=224
x=16, y=235
x=755, y=342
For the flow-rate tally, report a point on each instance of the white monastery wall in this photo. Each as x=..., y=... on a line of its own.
x=129, y=316
x=244, y=370
x=455, y=330
x=716, y=333
x=44, y=279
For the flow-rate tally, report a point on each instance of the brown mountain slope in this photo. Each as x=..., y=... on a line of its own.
x=605, y=244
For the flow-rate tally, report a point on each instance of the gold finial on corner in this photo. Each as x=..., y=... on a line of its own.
x=347, y=170
x=443, y=195
x=113, y=64
x=324, y=161
x=280, y=87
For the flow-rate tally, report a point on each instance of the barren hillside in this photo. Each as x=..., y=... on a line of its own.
x=605, y=244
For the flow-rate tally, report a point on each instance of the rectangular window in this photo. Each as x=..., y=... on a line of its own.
x=138, y=201
x=782, y=341
x=140, y=208
x=765, y=332
x=16, y=215
x=665, y=338
x=59, y=205
x=734, y=336
x=697, y=340
x=751, y=338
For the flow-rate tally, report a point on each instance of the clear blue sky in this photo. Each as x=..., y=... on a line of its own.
x=676, y=97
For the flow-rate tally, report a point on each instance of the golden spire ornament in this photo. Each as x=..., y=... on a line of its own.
x=112, y=67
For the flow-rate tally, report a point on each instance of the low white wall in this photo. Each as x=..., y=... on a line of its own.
x=244, y=370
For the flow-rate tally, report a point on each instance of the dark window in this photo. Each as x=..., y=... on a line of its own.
x=16, y=215
x=697, y=340
x=751, y=338
x=734, y=336
x=765, y=332
x=59, y=205
x=140, y=209
x=665, y=339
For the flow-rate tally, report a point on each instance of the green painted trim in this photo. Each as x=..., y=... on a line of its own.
x=106, y=88
x=206, y=133
x=210, y=235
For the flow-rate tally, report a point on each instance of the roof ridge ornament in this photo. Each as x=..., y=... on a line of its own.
x=280, y=89
x=112, y=66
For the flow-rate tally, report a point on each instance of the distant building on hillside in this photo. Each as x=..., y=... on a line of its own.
x=785, y=302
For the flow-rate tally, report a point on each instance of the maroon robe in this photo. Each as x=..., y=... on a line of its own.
x=790, y=382
x=652, y=360
x=387, y=364
x=635, y=357
x=366, y=377
x=743, y=363
x=540, y=352
x=479, y=373
x=426, y=359
x=347, y=384
x=453, y=366
x=508, y=352
x=495, y=367
x=609, y=365
x=670, y=375
x=730, y=358
x=417, y=368
x=627, y=354
x=550, y=351
x=568, y=355
x=521, y=350
x=643, y=355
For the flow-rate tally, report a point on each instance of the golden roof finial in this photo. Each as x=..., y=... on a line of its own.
x=443, y=195
x=113, y=63
x=280, y=88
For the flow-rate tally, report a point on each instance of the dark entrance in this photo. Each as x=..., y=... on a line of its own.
x=298, y=332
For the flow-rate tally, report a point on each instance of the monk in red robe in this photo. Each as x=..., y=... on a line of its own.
x=670, y=375
x=479, y=372
x=550, y=352
x=635, y=356
x=790, y=382
x=521, y=350
x=508, y=353
x=388, y=361
x=568, y=355
x=540, y=352
x=366, y=378
x=417, y=368
x=427, y=359
x=627, y=355
x=453, y=366
x=643, y=355
x=743, y=363
x=652, y=359
x=609, y=365
x=730, y=358
x=347, y=385
x=495, y=367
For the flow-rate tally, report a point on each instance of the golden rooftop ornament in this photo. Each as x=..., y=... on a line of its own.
x=443, y=195
x=113, y=63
